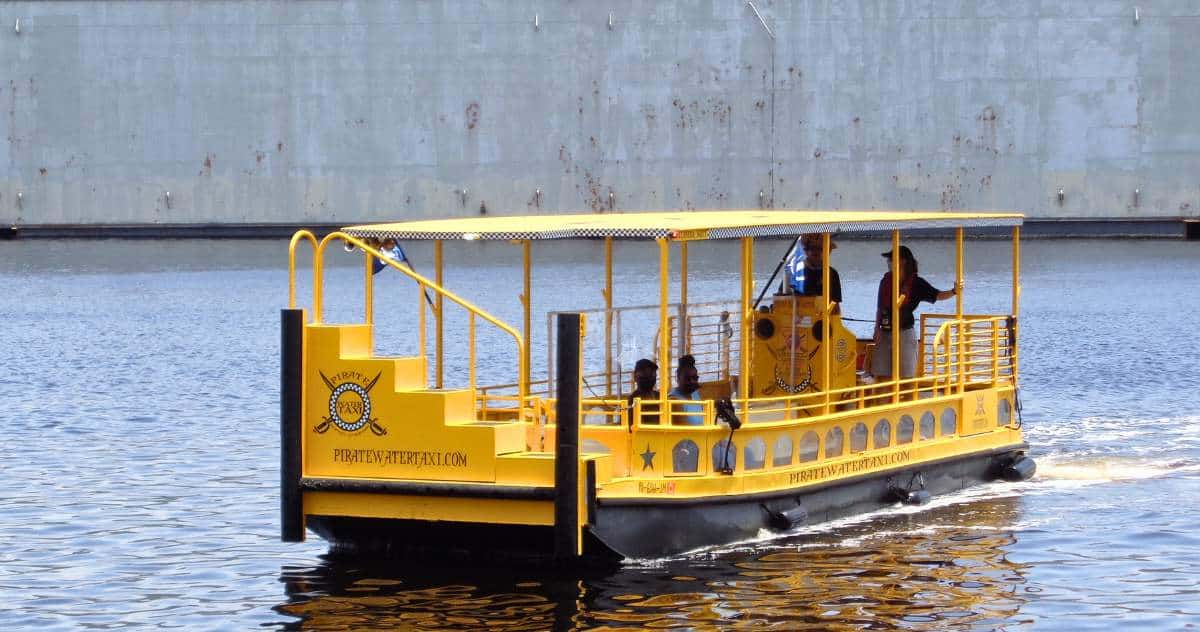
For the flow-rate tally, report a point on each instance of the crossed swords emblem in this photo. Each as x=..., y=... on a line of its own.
x=334, y=418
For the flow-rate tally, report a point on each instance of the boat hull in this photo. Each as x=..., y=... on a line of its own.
x=646, y=530
x=652, y=528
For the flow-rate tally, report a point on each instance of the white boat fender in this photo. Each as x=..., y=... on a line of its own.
x=1021, y=468
x=787, y=519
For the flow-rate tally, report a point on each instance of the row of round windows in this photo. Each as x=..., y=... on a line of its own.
x=686, y=454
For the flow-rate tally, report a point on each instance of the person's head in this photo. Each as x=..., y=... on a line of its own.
x=372, y=242
x=645, y=374
x=813, y=255
x=389, y=243
x=687, y=379
x=908, y=263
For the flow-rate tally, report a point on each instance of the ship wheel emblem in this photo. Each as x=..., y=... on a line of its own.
x=350, y=404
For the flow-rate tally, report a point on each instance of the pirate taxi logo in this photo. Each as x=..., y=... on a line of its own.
x=350, y=403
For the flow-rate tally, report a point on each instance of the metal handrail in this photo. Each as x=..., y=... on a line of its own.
x=318, y=304
x=300, y=234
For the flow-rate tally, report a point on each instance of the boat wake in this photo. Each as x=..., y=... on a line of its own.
x=767, y=539
x=1108, y=469
x=1054, y=474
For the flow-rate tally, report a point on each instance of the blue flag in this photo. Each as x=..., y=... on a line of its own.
x=795, y=269
x=395, y=253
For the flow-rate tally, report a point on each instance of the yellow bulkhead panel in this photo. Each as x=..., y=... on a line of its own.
x=789, y=357
x=358, y=425
x=978, y=411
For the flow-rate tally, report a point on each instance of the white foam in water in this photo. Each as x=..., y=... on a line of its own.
x=1109, y=469
x=765, y=536
x=1054, y=473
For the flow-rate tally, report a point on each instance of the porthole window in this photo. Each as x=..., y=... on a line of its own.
x=858, y=437
x=782, y=454
x=882, y=435
x=949, y=422
x=724, y=453
x=833, y=442
x=1004, y=412
x=756, y=454
x=927, y=426
x=686, y=457
x=904, y=430
x=810, y=445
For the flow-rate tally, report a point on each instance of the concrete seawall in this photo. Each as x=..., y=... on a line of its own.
x=246, y=116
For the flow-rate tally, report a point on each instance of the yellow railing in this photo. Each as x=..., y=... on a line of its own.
x=424, y=284
x=959, y=353
x=312, y=239
x=711, y=338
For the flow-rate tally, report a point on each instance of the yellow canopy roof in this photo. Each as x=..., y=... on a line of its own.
x=680, y=225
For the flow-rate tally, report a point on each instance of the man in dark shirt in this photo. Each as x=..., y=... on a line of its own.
x=813, y=264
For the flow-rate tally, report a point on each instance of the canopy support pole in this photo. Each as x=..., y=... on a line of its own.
x=826, y=329
x=896, y=337
x=608, y=315
x=747, y=319
x=437, y=269
x=683, y=299
x=527, y=264
x=664, y=333
x=958, y=310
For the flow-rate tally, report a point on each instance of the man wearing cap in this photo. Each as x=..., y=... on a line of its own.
x=913, y=290
x=645, y=377
x=813, y=275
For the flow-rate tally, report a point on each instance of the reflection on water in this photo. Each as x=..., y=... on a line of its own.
x=944, y=565
x=138, y=485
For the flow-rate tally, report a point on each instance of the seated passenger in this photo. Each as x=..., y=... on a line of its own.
x=645, y=376
x=687, y=387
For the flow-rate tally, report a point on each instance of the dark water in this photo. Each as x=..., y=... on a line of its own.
x=138, y=481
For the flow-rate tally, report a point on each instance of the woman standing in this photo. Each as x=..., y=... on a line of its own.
x=913, y=290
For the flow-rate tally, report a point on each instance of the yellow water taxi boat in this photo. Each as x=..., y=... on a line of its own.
x=397, y=455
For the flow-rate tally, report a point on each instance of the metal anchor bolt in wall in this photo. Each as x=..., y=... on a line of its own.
x=462, y=196
x=17, y=27
x=1137, y=193
x=537, y=198
x=1061, y=196
x=537, y=22
x=1137, y=15
x=20, y=199
x=167, y=198
x=762, y=199
x=612, y=201
x=610, y=21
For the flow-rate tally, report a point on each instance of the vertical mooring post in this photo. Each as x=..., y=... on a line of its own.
x=291, y=365
x=566, y=455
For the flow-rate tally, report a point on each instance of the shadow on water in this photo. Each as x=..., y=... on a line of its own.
x=940, y=566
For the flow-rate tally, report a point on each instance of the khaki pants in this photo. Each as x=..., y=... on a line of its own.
x=881, y=357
